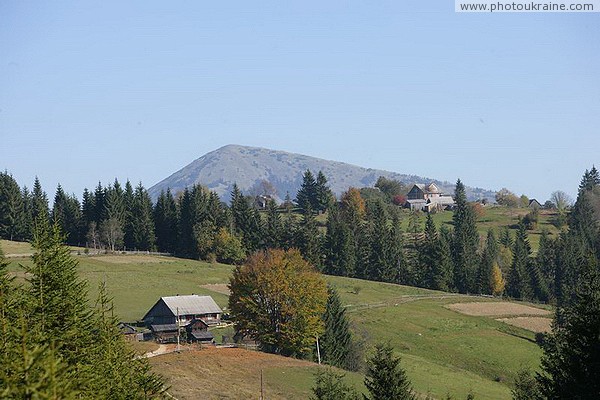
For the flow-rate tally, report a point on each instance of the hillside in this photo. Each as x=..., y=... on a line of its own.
x=220, y=169
x=443, y=351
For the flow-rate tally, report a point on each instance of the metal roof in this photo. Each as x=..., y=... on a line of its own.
x=163, y=328
x=192, y=304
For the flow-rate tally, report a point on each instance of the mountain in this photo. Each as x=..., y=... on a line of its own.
x=247, y=166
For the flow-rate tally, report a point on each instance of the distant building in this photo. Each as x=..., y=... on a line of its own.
x=186, y=317
x=182, y=310
x=428, y=198
x=533, y=203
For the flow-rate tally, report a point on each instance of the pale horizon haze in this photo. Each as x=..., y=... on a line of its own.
x=93, y=91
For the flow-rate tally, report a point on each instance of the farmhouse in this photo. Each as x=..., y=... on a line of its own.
x=533, y=203
x=427, y=198
x=181, y=310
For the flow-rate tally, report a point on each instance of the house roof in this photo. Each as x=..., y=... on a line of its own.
x=192, y=304
x=442, y=200
x=416, y=201
x=202, y=335
x=163, y=328
x=431, y=188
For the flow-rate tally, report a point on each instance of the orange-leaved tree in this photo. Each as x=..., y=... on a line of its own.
x=278, y=299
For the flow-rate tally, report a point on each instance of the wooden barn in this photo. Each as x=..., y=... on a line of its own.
x=197, y=331
x=181, y=310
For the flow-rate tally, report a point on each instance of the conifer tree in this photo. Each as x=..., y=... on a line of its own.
x=273, y=226
x=443, y=276
x=306, y=198
x=336, y=341
x=382, y=266
x=428, y=253
x=571, y=359
x=39, y=201
x=88, y=214
x=27, y=225
x=518, y=284
x=141, y=221
x=338, y=246
x=11, y=208
x=466, y=242
x=165, y=222
x=323, y=195
x=545, y=259
x=99, y=203
x=486, y=265
x=130, y=224
x=397, y=254
x=66, y=211
x=385, y=378
x=330, y=385
x=308, y=239
x=288, y=235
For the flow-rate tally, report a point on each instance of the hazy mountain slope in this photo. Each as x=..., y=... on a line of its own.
x=220, y=169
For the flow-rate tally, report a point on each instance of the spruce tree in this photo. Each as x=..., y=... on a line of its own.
x=330, y=385
x=130, y=224
x=11, y=208
x=466, y=242
x=165, y=222
x=142, y=222
x=39, y=201
x=486, y=265
x=336, y=341
x=443, y=276
x=308, y=239
x=306, y=198
x=571, y=359
x=385, y=378
x=518, y=284
x=323, y=195
x=428, y=253
x=273, y=227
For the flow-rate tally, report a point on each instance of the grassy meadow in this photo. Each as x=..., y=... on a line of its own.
x=442, y=350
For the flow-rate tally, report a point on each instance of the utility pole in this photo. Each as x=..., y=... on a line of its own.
x=262, y=395
x=177, y=329
x=318, y=351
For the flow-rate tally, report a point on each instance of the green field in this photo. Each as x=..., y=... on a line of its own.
x=443, y=351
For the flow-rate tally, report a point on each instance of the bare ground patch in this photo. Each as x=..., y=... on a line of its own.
x=534, y=324
x=500, y=308
x=217, y=287
x=221, y=373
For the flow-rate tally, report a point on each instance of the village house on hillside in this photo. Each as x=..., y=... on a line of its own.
x=428, y=198
x=193, y=313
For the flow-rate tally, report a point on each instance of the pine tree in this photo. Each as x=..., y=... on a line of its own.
x=466, y=242
x=39, y=201
x=142, y=222
x=11, y=208
x=330, y=386
x=306, y=198
x=385, y=378
x=571, y=359
x=165, y=222
x=336, y=341
x=428, y=253
x=323, y=195
x=398, y=257
x=545, y=260
x=486, y=265
x=273, y=226
x=308, y=239
x=130, y=224
x=443, y=277
x=66, y=211
x=518, y=284
x=382, y=266
x=27, y=225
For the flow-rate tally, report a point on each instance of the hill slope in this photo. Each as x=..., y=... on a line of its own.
x=220, y=169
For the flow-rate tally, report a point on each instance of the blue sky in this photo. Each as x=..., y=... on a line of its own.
x=90, y=91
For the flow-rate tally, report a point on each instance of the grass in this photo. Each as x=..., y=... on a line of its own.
x=443, y=351
x=10, y=247
x=496, y=218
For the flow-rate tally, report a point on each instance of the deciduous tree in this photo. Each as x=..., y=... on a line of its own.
x=278, y=299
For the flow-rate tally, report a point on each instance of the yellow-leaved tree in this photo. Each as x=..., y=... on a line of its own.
x=278, y=299
x=497, y=281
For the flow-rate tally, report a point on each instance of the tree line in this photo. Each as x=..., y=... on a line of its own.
x=361, y=237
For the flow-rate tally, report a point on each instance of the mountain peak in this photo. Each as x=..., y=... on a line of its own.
x=247, y=166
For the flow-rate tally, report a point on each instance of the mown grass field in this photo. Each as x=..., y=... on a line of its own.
x=442, y=350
